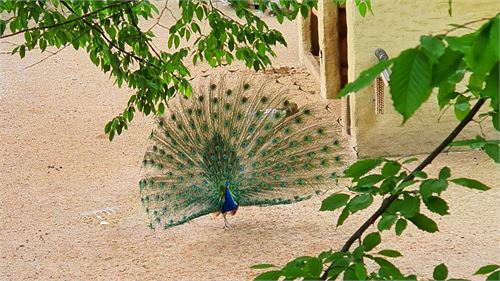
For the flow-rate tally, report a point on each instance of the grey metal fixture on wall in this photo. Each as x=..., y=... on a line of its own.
x=381, y=82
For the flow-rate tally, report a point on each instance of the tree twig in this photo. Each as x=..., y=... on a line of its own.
x=387, y=202
x=63, y=23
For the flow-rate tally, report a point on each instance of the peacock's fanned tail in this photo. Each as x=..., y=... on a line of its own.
x=242, y=135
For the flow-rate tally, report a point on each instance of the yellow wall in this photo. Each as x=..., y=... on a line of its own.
x=395, y=26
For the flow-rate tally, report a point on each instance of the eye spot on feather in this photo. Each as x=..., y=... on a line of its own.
x=286, y=103
x=160, y=123
x=307, y=112
x=268, y=127
x=229, y=92
x=214, y=116
x=308, y=138
x=287, y=130
x=320, y=131
x=227, y=106
x=336, y=143
x=337, y=159
x=215, y=100
x=199, y=112
x=173, y=117
x=246, y=86
x=276, y=140
x=189, y=111
x=244, y=100
x=258, y=114
x=264, y=99
x=213, y=87
x=277, y=115
x=239, y=116
x=179, y=126
x=301, y=181
x=298, y=120
x=201, y=98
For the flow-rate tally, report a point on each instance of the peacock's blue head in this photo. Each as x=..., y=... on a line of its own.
x=227, y=183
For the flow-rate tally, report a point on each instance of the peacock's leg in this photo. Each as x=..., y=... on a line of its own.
x=226, y=223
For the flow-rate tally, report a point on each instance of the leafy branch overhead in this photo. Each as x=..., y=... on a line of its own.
x=111, y=33
x=439, y=63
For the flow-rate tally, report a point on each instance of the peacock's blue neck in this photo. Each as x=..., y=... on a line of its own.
x=229, y=204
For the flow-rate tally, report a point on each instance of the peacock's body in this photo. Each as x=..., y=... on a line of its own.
x=227, y=147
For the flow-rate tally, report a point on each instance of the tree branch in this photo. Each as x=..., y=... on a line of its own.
x=387, y=202
x=64, y=23
x=109, y=40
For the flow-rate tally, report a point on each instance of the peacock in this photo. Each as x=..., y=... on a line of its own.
x=226, y=147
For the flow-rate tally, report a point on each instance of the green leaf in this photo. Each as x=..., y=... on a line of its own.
x=361, y=167
x=365, y=78
x=358, y=252
x=487, y=269
x=401, y=226
x=371, y=241
x=390, y=169
x=491, y=89
x=262, y=265
x=410, y=82
x=334, y=202
x=343, y=216
x=424, y=223
x=411, y=206
x=445, y=173
x=360, y=202
x=420, y=174
x=409, y=160
x=437, y=205
x=495, y=276
x=433, y=47
x=315, y=266
x=478, y=142
x=440, y=272
x=431, y=186
x=270, y=275
x=362, y=9
x=493, y=151
x=360, y=270
x=386, y=222
x=462, y=107
x=446, y=94
x=369, y=180
x=22, y=51
x=484, y=52
x=470, y=183
x=390, y=253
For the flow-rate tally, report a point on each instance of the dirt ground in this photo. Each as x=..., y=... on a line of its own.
x=70, y=208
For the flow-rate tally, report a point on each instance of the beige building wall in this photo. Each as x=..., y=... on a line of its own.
x=395, y=26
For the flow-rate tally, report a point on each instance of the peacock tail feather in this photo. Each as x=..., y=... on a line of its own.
x=242, y=135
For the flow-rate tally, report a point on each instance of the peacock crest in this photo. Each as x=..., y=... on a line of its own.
x=248, y=145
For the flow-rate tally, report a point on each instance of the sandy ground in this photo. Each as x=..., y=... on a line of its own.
x=58, y=172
